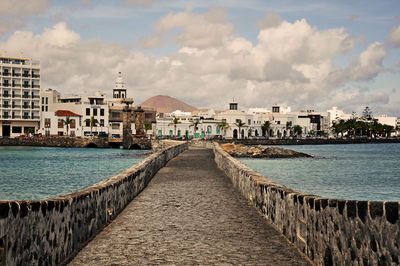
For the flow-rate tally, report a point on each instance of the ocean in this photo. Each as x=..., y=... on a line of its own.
x=349, y=171
x=36, y=173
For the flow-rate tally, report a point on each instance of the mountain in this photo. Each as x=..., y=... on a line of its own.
x=166, y=104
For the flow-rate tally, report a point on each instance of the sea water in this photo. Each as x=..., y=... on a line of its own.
x=34, y=173
x=349, y=171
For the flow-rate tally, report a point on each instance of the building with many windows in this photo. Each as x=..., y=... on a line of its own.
x=19, y=96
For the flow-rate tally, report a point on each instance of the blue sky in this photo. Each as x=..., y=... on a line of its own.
x=121, y=28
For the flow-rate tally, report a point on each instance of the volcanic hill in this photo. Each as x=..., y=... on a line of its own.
x=166, y=104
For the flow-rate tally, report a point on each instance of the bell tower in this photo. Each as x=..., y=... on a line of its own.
x=119, y=91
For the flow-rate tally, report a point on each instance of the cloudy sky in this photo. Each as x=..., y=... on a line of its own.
x=306, y=54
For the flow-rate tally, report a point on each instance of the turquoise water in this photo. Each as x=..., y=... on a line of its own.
x=43, y=172
x=352, y=171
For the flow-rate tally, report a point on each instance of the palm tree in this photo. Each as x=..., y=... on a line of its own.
x=174, y=122
x=67, y=121
x=194, y=124
x=223, y=125
x=265, y=128
x=297, y=130
x=240, y=124
x=92, y=122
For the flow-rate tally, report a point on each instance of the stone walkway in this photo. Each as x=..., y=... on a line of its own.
x=189, y=214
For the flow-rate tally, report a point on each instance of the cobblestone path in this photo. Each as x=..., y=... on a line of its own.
x=189, y=214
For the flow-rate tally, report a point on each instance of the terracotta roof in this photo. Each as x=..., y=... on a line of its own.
x=65, y=113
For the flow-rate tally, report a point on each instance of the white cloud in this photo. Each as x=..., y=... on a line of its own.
x=290, y=62
x=395, y=36
x=15, y=13
x=271, y=20
x=204, y=30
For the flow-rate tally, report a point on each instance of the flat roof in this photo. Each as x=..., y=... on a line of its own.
x=14, y=58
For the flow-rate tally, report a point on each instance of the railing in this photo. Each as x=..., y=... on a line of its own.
x=25, y=117
x=6, y=95
x=35, y=117
x=25, y=96
x=35, y=76
x=6, y=74
x=16, y=74
x=16, y=106
x=6, y=106
x=26, y=86
x=6, y=116
x=26, y=106
x=16, y=85
x=26, y=75
x=36, y=107
x=36, y=96
x=16, y=116
x=16, y=95
x=6, y=84
x=35, y=86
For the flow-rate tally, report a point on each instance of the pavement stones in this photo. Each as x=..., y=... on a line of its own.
x=189, y=214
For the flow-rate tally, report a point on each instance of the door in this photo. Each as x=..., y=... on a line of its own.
x=6, y=130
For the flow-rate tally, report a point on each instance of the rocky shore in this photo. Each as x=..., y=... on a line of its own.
x=240, y=150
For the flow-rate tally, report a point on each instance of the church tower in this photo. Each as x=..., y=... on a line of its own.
x=119, y=91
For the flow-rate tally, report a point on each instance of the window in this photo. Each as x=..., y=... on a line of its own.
x=47, y=108
x=115, y=114
x=33, y=105
x=87, y=111
x=115, y=126
x=102, y=122
x=60, y=123
x=95, y=112
x=101, y=112
x=73, y=123
x=87, y=123
x=249, y=121
x=42, y=108
x=17, y=130
x=47, y=123
x=47, y=100
x=42, y=100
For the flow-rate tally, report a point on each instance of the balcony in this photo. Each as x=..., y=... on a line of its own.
x=25, y=117
x=26, y=96
x=26, y=75
x=26, y=86
x=6, y=74
x=35, y=86
x=36, y=107
x=35, y=117
x=16, y=85
x=35, y=96
x=16, y=116
x=26, y=106
x=6, y=95
x=6, y=84
x=6, y=116
x=16, y=74
x=35, y=76
x=6, y=106
x=16, y=106
x=16, y=96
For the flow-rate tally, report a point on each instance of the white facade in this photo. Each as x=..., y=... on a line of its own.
x=338, y=114
x=86, y=107
x=19, y=96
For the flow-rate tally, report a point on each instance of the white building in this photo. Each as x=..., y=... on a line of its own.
x=336, y=114
x=82, y=108
x=19, y=96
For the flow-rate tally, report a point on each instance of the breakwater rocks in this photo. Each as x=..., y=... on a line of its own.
x=76, y=142
x=328, y=231
x=52, y=231
x=240, y=150
x=306, y=141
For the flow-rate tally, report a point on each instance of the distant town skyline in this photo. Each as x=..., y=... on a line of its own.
x=305, y=55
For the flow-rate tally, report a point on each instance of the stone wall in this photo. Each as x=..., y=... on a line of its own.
x=51, y=231
x=51, y=141
x=306, y=141
x=328, y=231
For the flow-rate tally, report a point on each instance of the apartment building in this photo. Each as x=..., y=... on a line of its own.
x=19, y=96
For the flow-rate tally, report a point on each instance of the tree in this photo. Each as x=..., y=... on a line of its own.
x=67, y=121
x=174, y=122
x=223, y=125
x=240, y=124
x=367, y=114
x=265, y=128
x=339, y=127
x=194, y=124
x=297, y=130
x=92, y=122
